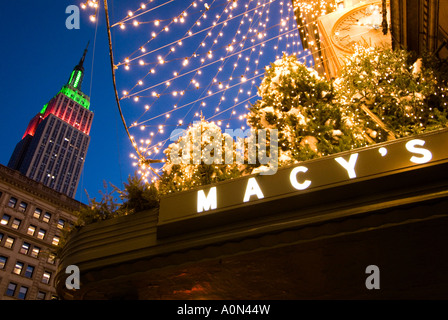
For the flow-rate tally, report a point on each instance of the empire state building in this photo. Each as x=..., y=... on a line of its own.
x=54, y=146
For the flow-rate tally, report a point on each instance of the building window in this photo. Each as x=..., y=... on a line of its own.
x=51, y=258
x=22, y=206
x=16, y=223
x=18, y=268
x=1, y=237
x=12, y=202
x=55, y=241
x=9, y=242
x=46, y=277
x=3, y=261
x=29, y=271
x=40, y=295
x=22, y=292
x=35, y=252
x=25, y=248
x=61, y=223
x=41, y=234
x=5, y=219
x=37, y=213
x=47, y=217
x=11, y=290
x=31, y=230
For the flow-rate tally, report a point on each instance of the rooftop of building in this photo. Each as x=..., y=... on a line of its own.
x=15, y=178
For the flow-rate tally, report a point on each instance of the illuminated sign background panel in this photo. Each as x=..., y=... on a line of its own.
x=373, y=161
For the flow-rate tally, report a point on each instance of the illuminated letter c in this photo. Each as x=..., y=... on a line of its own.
x=293, y=178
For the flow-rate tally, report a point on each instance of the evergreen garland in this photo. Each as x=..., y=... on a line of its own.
x=403, y=93
x=184, y=176
x=302, y=107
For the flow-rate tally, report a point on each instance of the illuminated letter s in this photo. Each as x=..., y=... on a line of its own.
x=426, y=154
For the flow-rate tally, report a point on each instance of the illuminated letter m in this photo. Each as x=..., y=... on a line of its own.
x=208, y=202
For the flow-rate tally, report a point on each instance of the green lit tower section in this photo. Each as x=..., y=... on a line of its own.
x=53, y=149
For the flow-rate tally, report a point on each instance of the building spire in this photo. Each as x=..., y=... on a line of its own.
x=81, y=62
x=77, y=75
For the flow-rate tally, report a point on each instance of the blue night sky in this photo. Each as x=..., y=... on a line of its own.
x=39, y=52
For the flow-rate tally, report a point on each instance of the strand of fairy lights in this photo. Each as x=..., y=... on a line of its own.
x=192, y=102
x=184, y=57
x=154, y=35
x=209, y=53
x=161, y=61
x=176, y=75
x=159, y=143
x=191, y=81
x=241, y=44
x=179, y=40
x=128, y=95
x=132, y=14
x=232, y=108
x=214, y=78
x=214, y=115
x=189, y=34
x=282, y=23
x=217, y=84
x=242, y=76
x=232, y=113
x=154, y=86
x=213, y=63
x=253, y=83
x=226, y=83
x=218, y=121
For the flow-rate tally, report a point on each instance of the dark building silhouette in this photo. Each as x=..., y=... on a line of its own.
x=54, y=146
x=420, y=26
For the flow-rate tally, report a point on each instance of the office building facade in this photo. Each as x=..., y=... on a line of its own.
x=54, y=146
x=32, y=219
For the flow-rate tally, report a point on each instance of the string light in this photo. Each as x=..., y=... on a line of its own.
x=209, y=61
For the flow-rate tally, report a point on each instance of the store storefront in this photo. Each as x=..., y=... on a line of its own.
x=366, y=224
